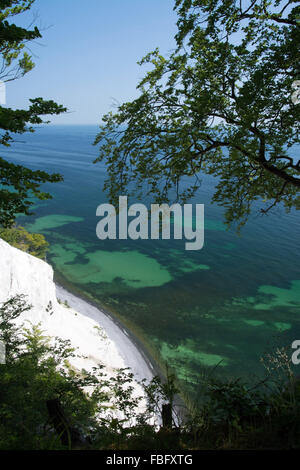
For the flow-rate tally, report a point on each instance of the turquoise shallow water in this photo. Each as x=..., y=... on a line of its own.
x=224, y=304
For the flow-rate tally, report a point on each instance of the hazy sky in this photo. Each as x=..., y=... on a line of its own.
x=88, y=54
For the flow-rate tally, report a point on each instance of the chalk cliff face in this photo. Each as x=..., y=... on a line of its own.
x=21, y=273
x=95, y=336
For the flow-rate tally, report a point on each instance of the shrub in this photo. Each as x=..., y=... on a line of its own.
x=33, y=243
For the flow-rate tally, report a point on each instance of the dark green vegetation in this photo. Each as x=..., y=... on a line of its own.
x=220, y=104
x=33, y=243
x=17, y=183
x=44, y=403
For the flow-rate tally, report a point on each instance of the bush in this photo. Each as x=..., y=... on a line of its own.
x=33, y=243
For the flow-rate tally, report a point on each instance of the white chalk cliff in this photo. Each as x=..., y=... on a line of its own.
x=21, y=273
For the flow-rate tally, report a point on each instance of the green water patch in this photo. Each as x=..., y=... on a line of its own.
x=187, y=352
x=281, y=326
x=271, y=297
x=132, y=267
x=180, y=263
x=187, y=266
x=41, y=224
x=254, y=322
x=62, y=255
x=277, y=297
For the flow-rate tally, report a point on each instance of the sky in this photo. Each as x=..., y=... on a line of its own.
x=87, y=58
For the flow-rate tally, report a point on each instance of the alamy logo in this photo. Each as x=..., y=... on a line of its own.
x=185, y=224
x=2, y=352
x=296, y=354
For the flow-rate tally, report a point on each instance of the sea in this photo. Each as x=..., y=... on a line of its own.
x=219, y=311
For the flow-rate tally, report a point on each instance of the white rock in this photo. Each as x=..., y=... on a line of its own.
x=21, y=273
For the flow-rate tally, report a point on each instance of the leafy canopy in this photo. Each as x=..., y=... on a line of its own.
x=17, y=183
x=220, y=104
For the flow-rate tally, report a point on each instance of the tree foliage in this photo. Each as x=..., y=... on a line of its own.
x=37, y=368
x=104, y=410
x=17, y=183
x=33, y=243
x=220, y=104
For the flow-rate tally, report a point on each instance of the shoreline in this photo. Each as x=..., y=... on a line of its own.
x=129, y=347
x=97, y=339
